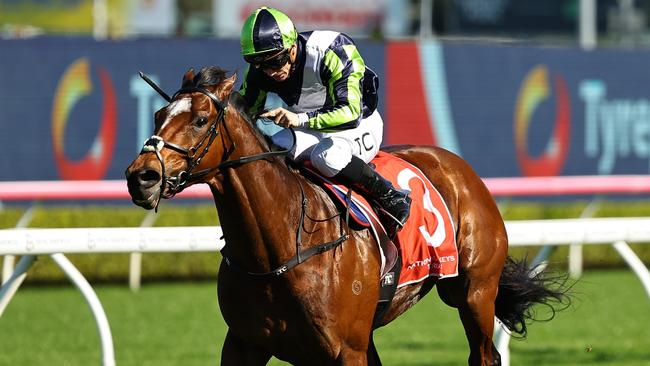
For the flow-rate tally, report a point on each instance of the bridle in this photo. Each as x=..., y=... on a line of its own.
x=155, y=144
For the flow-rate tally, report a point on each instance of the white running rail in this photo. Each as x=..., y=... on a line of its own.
x=53, y=242
x=31, y=242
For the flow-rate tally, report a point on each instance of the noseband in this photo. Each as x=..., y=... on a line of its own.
x=156, y=143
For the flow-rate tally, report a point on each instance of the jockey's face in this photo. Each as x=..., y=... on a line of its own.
x=281, y=73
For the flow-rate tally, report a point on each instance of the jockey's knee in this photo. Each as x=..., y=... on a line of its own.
x=331, y=156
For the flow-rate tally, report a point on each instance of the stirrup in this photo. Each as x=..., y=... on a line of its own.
x=391, y=217
x=392, y=223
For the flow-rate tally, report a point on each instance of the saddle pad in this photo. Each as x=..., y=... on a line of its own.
x=361, y=213
x=427, y=242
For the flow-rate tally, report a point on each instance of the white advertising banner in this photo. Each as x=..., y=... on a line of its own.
x=355, y=18
x=152, y=17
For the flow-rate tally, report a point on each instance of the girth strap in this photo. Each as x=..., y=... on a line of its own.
x=301, y=255
x=294, y=261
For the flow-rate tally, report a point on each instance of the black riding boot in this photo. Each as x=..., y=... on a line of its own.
x=395, y=204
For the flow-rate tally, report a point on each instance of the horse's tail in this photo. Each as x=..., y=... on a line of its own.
x=521, y=287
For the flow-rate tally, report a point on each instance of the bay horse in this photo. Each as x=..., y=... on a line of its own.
x=291, y=285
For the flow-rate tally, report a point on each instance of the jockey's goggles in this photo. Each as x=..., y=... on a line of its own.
x=273, y=63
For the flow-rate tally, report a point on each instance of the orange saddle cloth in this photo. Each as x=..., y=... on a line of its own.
x=427, y=242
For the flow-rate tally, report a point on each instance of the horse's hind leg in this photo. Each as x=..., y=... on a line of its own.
x=474, y=299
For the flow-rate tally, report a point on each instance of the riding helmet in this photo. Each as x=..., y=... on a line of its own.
x=266, y=32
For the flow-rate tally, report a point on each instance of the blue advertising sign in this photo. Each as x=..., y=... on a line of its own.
x=77, y=109
x=513, y=110
x=550, y=111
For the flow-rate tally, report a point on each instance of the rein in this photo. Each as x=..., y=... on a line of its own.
x=156, y=143
x=301, y=255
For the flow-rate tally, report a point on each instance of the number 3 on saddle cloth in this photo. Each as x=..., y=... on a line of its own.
x=426, y=243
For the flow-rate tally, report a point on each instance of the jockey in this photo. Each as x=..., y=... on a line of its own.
x=332, y=103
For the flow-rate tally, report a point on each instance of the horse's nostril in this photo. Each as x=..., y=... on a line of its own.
x=148, y=177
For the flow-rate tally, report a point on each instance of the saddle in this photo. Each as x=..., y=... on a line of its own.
x=426, y=245
x=363, y=216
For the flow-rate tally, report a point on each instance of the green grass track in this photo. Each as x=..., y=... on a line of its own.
x=179, y=323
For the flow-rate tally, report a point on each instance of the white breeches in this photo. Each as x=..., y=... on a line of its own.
x=330, y=152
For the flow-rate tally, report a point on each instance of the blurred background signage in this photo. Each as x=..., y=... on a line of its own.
x=465, y=75
x=359, y=17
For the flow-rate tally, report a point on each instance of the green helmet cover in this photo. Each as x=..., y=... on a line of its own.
x=266, y=30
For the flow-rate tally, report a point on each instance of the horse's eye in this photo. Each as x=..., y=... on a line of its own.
x=201, y=121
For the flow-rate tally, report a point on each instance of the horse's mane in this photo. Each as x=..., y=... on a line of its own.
x=209, y=76
x=214, y=75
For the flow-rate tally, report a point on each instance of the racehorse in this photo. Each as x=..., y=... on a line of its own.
x=296, y=281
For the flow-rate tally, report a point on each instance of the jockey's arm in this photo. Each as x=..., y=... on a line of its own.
x=342, y=72
x=255, y=97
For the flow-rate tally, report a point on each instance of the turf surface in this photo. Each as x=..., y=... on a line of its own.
x=179, y=324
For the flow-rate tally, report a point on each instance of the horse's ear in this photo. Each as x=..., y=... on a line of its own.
x=225, y=87
x=188, y=78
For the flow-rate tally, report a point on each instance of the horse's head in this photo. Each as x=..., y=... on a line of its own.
x=184, y=149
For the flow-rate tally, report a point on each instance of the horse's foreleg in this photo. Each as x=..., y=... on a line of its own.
x=372, y=354
x=237, y=352
x=350, y=357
